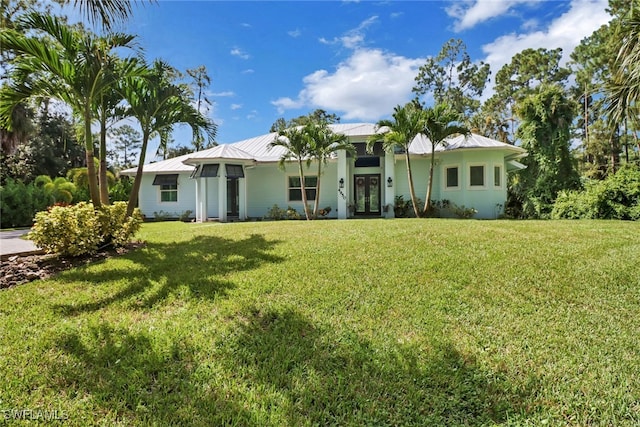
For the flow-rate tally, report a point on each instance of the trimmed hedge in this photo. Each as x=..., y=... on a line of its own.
x=81, y=229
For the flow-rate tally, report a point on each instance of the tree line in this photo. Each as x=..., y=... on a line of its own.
x=579, y=121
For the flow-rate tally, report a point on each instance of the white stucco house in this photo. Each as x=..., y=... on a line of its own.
x=242, y=180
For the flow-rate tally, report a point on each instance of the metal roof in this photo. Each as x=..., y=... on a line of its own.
x=257, y=148
x=165, y=166
x=224, y=151
x=422, y=145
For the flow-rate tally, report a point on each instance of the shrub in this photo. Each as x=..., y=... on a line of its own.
x=80, y=229
x=161, y=216
x=186, y=216
x=276, y=213
x=19, y=203
x=463, y=212
x=616, y=197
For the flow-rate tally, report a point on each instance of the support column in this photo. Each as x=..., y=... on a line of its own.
x=242, y=197
x=343, y=193
x=390, y=192
x=222, y=192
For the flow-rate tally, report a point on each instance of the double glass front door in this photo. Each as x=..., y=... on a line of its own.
x=367, y=194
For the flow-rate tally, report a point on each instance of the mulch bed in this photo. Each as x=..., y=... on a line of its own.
x=18, y=270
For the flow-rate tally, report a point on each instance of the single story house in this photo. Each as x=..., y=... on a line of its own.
x=243, y=180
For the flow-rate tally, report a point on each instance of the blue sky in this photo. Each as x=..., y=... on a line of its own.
x=357, y=59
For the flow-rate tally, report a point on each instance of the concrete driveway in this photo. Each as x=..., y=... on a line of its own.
x=12, y=243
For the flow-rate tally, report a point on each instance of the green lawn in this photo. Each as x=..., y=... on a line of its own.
x=372, y=322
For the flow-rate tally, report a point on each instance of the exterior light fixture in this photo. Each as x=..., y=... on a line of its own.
x=389, y=182
x=341, y=183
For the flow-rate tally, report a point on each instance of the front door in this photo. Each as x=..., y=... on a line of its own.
x=367, y=194
x=233, y=201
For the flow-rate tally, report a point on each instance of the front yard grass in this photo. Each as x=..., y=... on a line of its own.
x=360, y=322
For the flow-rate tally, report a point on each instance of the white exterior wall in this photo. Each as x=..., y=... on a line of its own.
x=488, y=200
x=149, y=197
x=267, y=185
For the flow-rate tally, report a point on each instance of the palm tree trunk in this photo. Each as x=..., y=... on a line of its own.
x=412, y=190
x=304, y=191
x=91, y=167
x=316, y=204
x=135, y=189
x=427, y=203
x=102, y=172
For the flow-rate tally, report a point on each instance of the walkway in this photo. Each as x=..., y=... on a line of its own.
x=11, y=243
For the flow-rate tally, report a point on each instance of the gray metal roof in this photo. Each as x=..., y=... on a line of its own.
x=257, y=148
x=422, y=145
x=165, y=166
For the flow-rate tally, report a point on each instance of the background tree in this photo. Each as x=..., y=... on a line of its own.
x=451, y=77
x=516, y=80
x=439, y=123
x=200, y=82
x=126, y=142
x=317, y=116
x=407, y=122
x=545, y=132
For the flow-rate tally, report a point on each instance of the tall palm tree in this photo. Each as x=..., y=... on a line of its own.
x=398, y=134
x=439, y=123
x=623, y=91
x=158, y=105
x=105, y=12
x=325, y=142
x=298, y=142
x=70, y=69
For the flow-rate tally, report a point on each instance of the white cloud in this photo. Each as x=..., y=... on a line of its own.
x=364, y=87
x=236, y=106
x=566, y=32
x=239, y=53
x=395, y=15
x=353, y=38
x=295, y=33
x=470, y=13
x=248, y=71
x=224, y=94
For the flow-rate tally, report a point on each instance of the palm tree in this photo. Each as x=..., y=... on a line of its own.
x=398, y=134
x=158, y=105
x=623, y=92
x=297, y=142
x=69, y=69
x=325, y=142
x=106, y=12
x=439, y=123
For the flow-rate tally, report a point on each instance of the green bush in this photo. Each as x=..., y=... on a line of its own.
x=276, y=213
x=121, y=189
x=81, y=229
x=19, y=203
x=616, y=197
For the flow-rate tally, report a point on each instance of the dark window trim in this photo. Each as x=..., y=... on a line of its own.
x=166, y=179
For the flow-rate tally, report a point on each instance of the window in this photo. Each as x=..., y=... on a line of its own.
x=367, y=162
x=451, y=177
x=168, y=187
x=476, y=176
x=168, y=193
x=497, y=176
x=209, y=171
x=295, y=190
x=234, y=171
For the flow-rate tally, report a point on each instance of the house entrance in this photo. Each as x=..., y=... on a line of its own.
x=233, y=199
x=367, y=194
